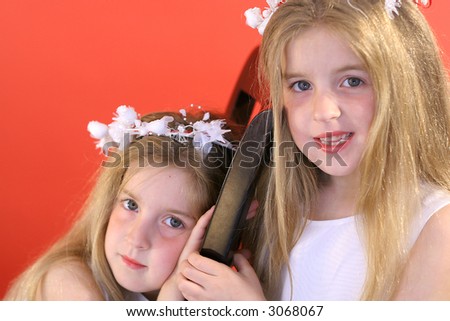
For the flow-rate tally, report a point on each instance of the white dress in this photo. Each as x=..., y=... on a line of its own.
x=329, y=261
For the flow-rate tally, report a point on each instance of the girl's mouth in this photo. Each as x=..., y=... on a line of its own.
x=333, y=142
x=131, y=263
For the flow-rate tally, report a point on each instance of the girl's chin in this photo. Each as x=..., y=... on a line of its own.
x=337, y=171
x=337, y=167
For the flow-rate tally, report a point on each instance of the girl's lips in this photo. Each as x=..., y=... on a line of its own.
x=135, y=265
x=333, y=142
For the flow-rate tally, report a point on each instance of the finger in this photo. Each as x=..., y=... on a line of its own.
x=191, y=291
x=196, y=237
x=243, y=265
x=195, y=276
x=189, y=273
x=207, y=265
x=202, y=223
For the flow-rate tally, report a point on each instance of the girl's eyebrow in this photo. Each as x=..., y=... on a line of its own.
x=182, y=213
x=358, y=67
x=293, y=75
x=169, y=210
x=125, y=191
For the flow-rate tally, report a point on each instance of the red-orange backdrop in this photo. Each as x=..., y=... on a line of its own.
x=64, y=63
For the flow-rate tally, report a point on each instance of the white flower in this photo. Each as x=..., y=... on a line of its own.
x=97, y=130
x=273, y=4
x=142, y=130
x=257, y=20
x=391, y=7
x=126, y=115
x=207, y=133
x=253, y=17
x=216, y=132
x=200, y=126
x=263, y=25
x=117, y=131
x=159, y=126
x=200, y=139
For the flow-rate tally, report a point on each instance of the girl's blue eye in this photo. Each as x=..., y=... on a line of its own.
x=352, y=82
x=174, y=222
x=301, y=86
x=130, y=205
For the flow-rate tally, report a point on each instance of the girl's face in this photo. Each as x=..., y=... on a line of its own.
x=148, y=228
x=329, y=100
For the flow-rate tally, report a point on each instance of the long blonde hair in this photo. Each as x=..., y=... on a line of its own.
x=408, y=144
x=85, y=241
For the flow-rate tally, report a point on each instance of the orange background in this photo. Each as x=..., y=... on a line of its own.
x=66, y=62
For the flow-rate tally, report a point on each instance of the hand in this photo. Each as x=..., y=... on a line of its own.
x=170, y=291
x=205, y=279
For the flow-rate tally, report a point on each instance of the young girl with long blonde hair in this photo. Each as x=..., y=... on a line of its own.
x=163, y=171
x=357, y=203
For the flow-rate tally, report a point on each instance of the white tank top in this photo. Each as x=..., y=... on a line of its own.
x=329, y=260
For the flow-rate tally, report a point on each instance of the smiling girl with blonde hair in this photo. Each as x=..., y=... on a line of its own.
x=359, y=89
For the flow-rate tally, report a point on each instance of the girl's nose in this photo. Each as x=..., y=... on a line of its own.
x=139, y=234
x=325, y=107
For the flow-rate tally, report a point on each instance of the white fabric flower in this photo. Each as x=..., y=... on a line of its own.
x=253, y=17
x=126, y=115
x=216, y=132
x=200, y=126
x=257, y=19
x=97, y=130
x=200, y=140
x=117, y=131
x=207, y=133
x=391, y=7
x=142, y=130
x=273, y=4
x=160, y=126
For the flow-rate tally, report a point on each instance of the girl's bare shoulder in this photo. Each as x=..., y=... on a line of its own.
x=427, y=276
x=70, y=280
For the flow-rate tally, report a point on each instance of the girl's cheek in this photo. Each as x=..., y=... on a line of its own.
x=176, y=244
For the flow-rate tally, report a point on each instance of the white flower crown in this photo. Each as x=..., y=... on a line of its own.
x=258, y=20
x=127, y=122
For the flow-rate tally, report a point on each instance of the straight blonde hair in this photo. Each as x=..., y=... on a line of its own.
x=408, y=143
x=85, y=241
